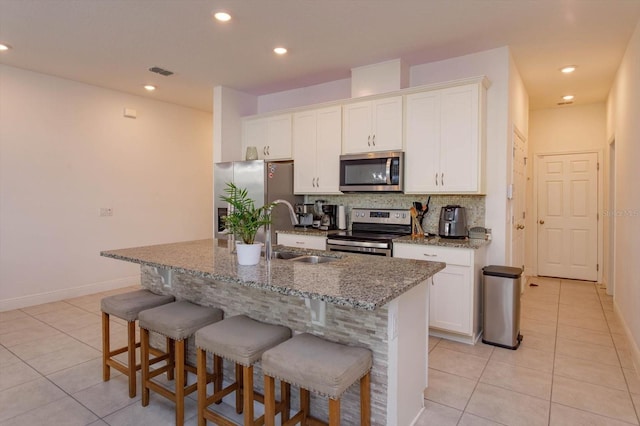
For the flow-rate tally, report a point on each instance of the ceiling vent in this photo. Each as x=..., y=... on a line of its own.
x=565, y=103
x=161, y=71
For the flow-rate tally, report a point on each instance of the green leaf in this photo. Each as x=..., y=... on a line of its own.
x=244, y=219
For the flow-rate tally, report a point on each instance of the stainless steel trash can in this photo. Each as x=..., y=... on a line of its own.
x=501, y=289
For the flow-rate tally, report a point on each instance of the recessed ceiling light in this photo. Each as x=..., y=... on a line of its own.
x=149, y=87
x=568, y=97
x=568, y=69
x=4, y=47
x=280, y=50
x=222, y=16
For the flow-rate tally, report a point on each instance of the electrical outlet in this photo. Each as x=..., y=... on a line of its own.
x=106, y=211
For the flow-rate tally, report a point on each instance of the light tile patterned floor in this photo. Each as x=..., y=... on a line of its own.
x=573, y=367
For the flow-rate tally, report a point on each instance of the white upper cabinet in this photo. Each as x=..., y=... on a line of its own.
x=270, y=135
x=374, y=125
x=445, y=140
x=317, y=141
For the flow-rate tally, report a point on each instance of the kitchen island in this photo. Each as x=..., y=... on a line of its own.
x=376, y=302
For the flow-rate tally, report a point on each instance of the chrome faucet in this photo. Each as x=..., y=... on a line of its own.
x=267, y=238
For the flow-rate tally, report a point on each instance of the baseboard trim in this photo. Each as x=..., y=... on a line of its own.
x=633, y=345
x=415, y=420
x=67, y=293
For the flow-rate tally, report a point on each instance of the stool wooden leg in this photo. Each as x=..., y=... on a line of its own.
x=305, y=404
x=180, y=358
x=285, y=399
x=172, y=358
x=247, y=387
x=186, y=373
x=131, y=349
x=217, y=371
x=240, y=389
x=202, y=386
x=269, y=401
x=334, y=412
x=144, y=355
x=106, y=370
x=365, y=400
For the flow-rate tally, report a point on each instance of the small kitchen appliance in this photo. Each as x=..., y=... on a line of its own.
x=328, y=221
x=453, y=222
x=304, y=212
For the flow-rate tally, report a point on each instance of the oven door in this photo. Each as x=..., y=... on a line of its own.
x=375, y=249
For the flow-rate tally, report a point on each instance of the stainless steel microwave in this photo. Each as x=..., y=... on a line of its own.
x=372, y=172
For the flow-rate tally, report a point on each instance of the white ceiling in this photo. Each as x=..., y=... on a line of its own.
x=112, y=43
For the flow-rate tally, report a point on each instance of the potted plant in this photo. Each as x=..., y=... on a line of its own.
x=244, y=220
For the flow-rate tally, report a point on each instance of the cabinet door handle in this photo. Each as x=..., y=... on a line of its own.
x=369, y=140
x=268, y=148
x=313, y=182
x=264, y=151
x=300, y=242
x=318, y=182
x=436, y=179
x=373, y=140
x=430, y=255
x=541, y=222
x=442, y=179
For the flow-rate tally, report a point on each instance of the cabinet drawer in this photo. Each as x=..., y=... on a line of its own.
x=451, y=256
x=303, y=241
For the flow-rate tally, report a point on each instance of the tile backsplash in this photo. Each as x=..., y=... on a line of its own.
x=474, y=204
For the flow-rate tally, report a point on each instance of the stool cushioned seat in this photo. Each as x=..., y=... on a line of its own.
x=178, y=320
x=315, y=364
x=128, y=305
x=240, y=339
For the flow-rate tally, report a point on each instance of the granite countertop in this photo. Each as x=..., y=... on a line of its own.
x=469, y=243
x=354, y=280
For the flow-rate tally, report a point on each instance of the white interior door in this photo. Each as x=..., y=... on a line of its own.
x=567, y=216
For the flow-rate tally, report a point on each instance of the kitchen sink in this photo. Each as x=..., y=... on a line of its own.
x=314, y=259
x=284, y=255
x=302, y=258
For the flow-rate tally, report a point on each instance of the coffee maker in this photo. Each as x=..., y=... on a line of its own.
x=329, y=217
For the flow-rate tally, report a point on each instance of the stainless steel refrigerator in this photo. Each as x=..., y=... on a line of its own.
x=265, y=181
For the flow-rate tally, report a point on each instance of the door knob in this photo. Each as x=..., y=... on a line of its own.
x=541, y=222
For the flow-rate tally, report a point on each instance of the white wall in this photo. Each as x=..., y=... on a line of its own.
x=495, y=65
x=230, y=106
x=310, y=95
x=623, y=112
x=568, y=128
x=66, y=151
x=562, y=129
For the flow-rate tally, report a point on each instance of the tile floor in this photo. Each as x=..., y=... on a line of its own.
x=573, y=368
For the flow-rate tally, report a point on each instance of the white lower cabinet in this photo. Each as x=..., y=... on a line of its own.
x=455, y=301
x=313, y=242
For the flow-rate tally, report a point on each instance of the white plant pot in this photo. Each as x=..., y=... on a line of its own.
x=248, y=254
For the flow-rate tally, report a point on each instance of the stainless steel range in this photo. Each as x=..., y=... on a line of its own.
x=372, y=231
